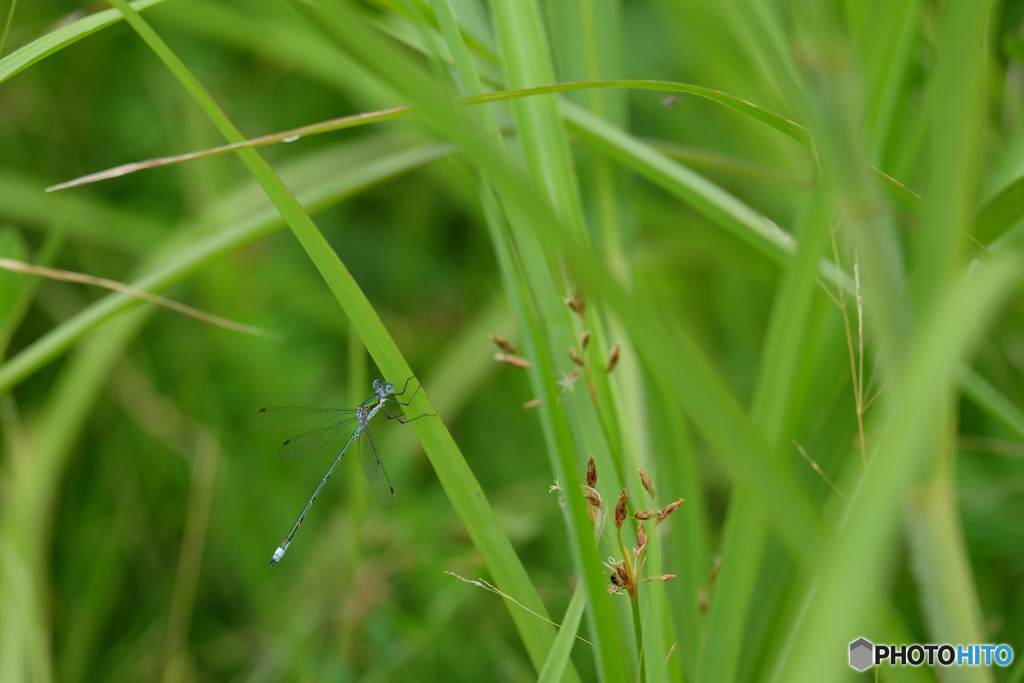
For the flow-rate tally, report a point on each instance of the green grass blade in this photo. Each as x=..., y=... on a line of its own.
x=991, y=399
x=693, y=380
x=713, y=202
x=796, y=131
x=1000, y=213
x=458, y=481
x=527, y=297
x=558, y=659
x=59, y=38
x=346, y=179
x=14, y=288
x=916, y=401
x=25, y=628
x=958, y=84
x=746, y=530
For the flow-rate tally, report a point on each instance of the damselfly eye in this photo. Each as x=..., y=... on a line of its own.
x=376, y=384
x=389, y=388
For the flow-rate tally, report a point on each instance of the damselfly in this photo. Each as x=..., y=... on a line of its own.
x=315, y=427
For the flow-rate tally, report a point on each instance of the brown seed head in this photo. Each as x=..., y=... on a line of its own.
x=577, y=303
x=575, y=357
x=515, y=361
x=533, y=403
x=668, y=510
x=613, y=357
x=641, y=515
x=620, y=510
x=504, y=344
x=666, y=577
x=641, y=541
x=592, y=496
x=591, y=473
x=646, y=481
x=585, y=339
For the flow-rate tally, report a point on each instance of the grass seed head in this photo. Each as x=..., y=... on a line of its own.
x=646, y=481
x=514, y=361
x=668, y=510
x=620, y=579
x=620, y=510
x=592, y=496
x=641, y=542
x=613, y=357
x=503, y=344
x=577, y=303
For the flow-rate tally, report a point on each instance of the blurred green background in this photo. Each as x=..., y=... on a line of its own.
x=140, y=510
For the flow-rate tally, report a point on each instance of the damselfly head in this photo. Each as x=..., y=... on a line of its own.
x=377, y=384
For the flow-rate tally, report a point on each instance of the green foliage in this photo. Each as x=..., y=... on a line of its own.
x=796, y=241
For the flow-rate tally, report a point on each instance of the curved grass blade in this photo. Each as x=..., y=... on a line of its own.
x=779, y=123
x=60, y=38
x=558, y=659
x=19, y=266
x=460, y=485
x=339, y=181
x=1000, y=213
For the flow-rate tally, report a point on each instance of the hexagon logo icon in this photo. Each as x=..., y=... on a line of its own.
x=861, y=651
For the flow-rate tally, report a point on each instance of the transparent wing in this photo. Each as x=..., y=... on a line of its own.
x=373, y=468
x=298, y=419
x=307, y=442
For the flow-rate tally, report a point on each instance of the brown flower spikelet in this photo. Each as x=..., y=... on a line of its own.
x=668, y=510
x=646, y=481
x=613, y=357
x=641, y=541
x=514, y=361
x=577, y=303
x=620, y=510
x=591, y=473
x=504, y=344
